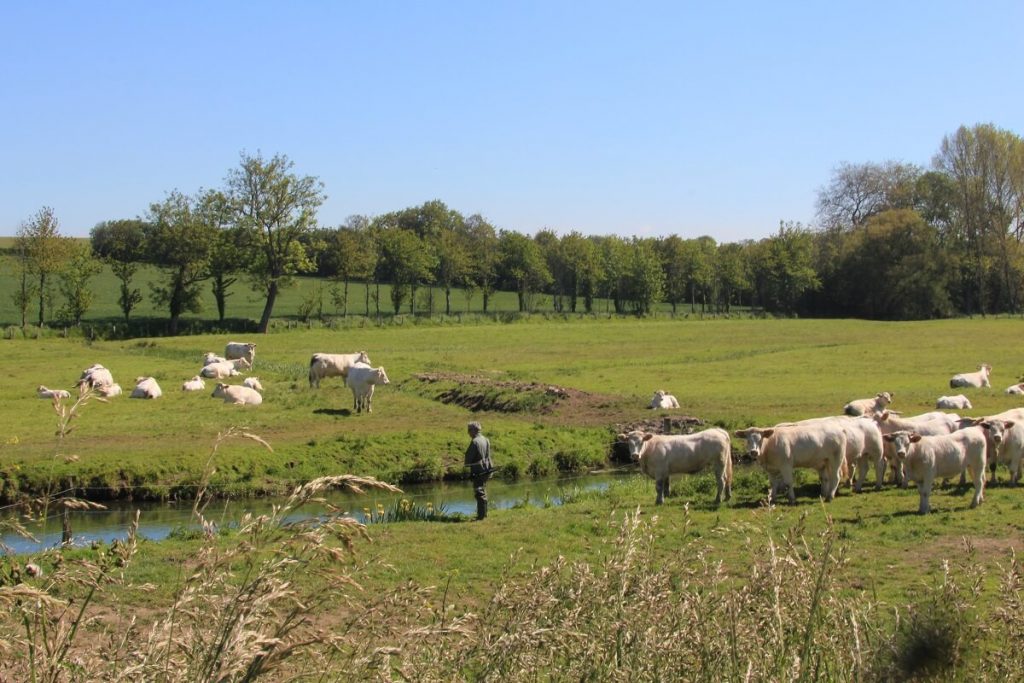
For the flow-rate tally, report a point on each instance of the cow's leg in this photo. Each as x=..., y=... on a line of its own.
x=879, y=473
x=862, y=473
x=978, y=475
x=658, y=487
x=664, y=486
x=924, y=487
x=720, y=482
x=787, y=482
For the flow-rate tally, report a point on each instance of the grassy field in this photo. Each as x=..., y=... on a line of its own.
x=843, y=585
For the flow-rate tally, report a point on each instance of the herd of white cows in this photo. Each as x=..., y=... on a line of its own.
x=922, y=448
x=354, y=369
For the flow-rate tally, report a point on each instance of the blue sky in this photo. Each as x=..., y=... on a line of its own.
x=635, y=118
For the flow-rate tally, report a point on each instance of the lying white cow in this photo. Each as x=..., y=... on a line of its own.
x=219, y=370
x=253, y=383
x=43, y=392
x=146, y=387
x=109, y=390
x=661, y=456
x=237, y=395
x=1015, y=389
x=323, y=365
x=868, y=406
x=663, y=400
x=927, y=458
x=94, y=377
x=958, y=402
x=194, y=384
x=211, y=357
x=244, y=350
x=361, y=379
x=972, y=379
x=819, y=446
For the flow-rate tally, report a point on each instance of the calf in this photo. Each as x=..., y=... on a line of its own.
x=219, y=370
x=1015, y=389
x=211, y=357
x=927, y=424
x=253, y=383
x=661, y=456
x=43, y=392
x=663, y=401
x=361, y=379
x=194, y=384
x=927, y=458
x=244, y=350
x=819, y=446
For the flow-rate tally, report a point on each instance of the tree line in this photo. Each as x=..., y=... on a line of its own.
x=892, y=241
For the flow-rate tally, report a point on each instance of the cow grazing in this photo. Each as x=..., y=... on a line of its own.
x=868, y=406
x=663, y=400
x=237, y=395
x=972, y=379
x=211, y=357
x=323, y=365
x=661, y=456
x=244, y=350
x=219, y=370
x=194, y=384
x=819, y=446
x=146, y=387
x=94, y=377
x=43, y=392
x=361, y=379
x=1015, y=389
x=927, y=458
x=958, y=402
x=253, y=383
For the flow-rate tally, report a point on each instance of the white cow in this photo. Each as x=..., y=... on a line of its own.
x=864, y=447
x=958, y=402
x=868, y=406
x=94, y=377
x=661, y=456
x=1015, y=389
x=211, y=357
x=146, y=387
x=323, y=365
x=194, y=384
x=361, y=379
x=1011, y=451
x=926, y=424
x=819, y=446
x=244, y=350
x=219, y=370
x=972, y=379
x=927, y=458
x=253, y=383
x=109, y=390
x=237, y=395
x=43, y=392
x=663, y=400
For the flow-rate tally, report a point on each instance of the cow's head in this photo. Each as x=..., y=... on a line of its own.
x=996, y=429
x=755, y=438
x=382, y=377
x=985, y=368
x=635, y=440
x=885, y=398
x=901, y=442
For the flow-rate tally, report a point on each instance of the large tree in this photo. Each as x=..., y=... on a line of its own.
x=178, y=241
x=484, y=256
x=73, y=282
x=45, y=251
x=859, y=191
x=524, y=267
x=407, y=260
x=274, y=207
x=121, y=244
x=351, y=255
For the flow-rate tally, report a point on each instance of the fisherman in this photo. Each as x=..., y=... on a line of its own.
x=478, y=460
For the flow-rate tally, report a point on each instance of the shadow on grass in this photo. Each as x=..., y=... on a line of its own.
x=342, y=412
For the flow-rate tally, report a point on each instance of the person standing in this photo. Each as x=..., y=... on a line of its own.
x=478, y=460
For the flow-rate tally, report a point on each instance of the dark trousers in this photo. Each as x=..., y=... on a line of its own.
x=480, y=493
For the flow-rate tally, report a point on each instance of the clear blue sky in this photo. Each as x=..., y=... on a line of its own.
x=636, y=118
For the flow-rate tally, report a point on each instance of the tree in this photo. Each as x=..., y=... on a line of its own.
x=783, y=268
x=615, y=266
x=74, y=280
x=859, y=191
x=647, y=279
x=228, y=246
x=273, y=207
x=178, y=241
x=451, y=246
x=121, y=244
x=25, y=292
x=732, y=273
x=676, y=263
x=484, y=256
x=45, y=250
x=523, y=265
x=351, y=254
x=407, y=260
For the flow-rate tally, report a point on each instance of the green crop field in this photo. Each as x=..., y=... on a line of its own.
x=847, y=588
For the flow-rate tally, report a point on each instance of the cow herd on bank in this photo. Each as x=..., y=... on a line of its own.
x=924, y=448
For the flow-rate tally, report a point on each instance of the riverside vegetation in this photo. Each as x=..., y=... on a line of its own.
x=600, y=588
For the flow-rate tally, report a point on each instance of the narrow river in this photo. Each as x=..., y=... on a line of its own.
x=159, y=519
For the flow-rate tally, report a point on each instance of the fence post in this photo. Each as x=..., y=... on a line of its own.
x=666, y=425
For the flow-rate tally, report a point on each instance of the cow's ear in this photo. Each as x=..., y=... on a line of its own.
x=620, y=437
x=767, y=432
x=888, y=437
x=742, y=433
x=1009, y=424
x=914, y=438
x=986, y=425
x=648, y=436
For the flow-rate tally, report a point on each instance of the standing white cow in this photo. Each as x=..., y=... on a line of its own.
x=361, y=379
x=869, y=406
x=661, y=456
x=820, y=446
x=244, y=350
x=323, y=365
x=927, y=458
x=958, y=402
x=864, y=447
x=972, y=379
x=663, y=400
x=237, y=395
x=146, y=387
x=926, y=424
